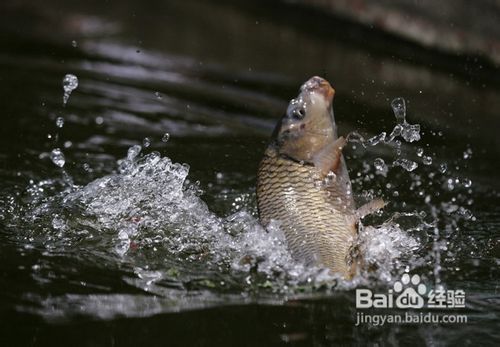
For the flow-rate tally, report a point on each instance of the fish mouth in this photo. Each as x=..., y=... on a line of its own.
x=319, y=85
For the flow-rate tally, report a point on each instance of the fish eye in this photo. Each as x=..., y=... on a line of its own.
x=299, y=113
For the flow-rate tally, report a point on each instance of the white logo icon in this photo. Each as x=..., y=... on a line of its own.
x=409, y=297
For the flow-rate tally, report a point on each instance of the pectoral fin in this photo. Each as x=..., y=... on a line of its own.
x=370, y=207
x=328, y=159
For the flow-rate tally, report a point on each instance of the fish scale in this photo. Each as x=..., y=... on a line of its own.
x=313, y=218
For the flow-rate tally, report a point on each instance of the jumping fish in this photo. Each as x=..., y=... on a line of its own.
x=304, y=184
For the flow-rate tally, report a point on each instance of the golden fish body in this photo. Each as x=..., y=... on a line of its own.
x=317, y=217
x=304, y=184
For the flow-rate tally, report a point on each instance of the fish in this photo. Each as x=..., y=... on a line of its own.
x=303, y=183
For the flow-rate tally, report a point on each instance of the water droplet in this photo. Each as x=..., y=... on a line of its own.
x=57, y=157
x=146, y=142
x=465, y=213
x=58, y=223
x=70, y=83
x=427, y=160
x=165, y=137
x=99, y=120
x=60, y=122
x=380, y=166
x=450, y=184
x=68, y=144
x=406, y=164
x=379, y=163
x=443, y=167
x=133, y=152
x=330, y=177
x=355, y=137
x=399, y=108
x=375, y=140
x=467, y=182
x=395, y=132
x=411, y=132
x=468, y=153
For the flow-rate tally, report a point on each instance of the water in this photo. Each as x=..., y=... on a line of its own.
x=135, y=220
x=70, y=83
x=57, y=157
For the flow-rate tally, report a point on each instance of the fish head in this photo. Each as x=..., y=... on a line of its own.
x=308, y=124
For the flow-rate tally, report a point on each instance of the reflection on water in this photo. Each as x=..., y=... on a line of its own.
x=99, y=218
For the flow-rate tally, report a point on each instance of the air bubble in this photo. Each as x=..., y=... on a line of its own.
x=165, y=137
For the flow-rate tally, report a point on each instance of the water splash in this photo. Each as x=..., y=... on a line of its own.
x=406, y=164
x=57, y=157
x=150, y=215
x=409, y=132
x=150, y=205
x=375, y=140
x=399, y=108
x=70, y=83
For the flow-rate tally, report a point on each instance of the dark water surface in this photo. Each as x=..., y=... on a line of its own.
x=127, y=248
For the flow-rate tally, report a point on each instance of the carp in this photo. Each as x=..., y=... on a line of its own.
x=303, y=183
